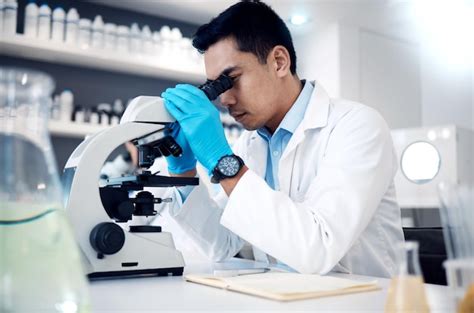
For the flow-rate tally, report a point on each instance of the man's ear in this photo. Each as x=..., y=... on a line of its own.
x=280, y=60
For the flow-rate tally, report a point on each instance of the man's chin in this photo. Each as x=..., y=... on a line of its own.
x=247, y=124
x=250, y=127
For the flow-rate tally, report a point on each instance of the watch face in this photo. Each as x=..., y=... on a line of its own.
x=228, y=166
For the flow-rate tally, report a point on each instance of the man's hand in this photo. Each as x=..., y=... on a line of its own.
x=200, y=123
x=182, y=165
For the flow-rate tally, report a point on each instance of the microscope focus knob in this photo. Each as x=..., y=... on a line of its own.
x=107, y=238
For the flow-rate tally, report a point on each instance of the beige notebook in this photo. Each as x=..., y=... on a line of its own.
x=284, y=286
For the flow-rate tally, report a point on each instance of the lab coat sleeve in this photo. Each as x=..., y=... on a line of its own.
x=312, y=234
x=199, y=217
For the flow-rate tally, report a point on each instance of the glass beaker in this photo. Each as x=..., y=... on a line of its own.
x=40, y=266
x=406, y=292
x=460, y=276
x=457, y=217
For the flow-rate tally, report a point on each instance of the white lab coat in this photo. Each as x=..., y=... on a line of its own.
x=336, y=208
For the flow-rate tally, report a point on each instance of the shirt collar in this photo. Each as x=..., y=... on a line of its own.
x=296, y=113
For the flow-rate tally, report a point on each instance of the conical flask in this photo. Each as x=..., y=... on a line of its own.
x=406, y=292
x=40, y=268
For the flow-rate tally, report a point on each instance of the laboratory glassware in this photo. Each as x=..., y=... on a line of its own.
x=40, y=266
x=406, y=292
x=457, y=217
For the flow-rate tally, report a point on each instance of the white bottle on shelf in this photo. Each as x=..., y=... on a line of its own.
x=123, y=34
x=114, y=120
x=72, y=26
x=165, y=31
x=156, y=43
x=94, y=118
x=118, y=107
x=198, y=60
x=79, y=116
x=176, y=52
x=58, y=24
x=104, y=119
x=135, y=38
x=147, y=41
x=66, y=100
x=185, y=47
x=110, y=36
x=31, y=20
x=176, y=35
x=10, y=10
x=55, y=108
x=44, y=22
x=98, y=33
x=165, y=34
x=2, y=6
x=84, y=37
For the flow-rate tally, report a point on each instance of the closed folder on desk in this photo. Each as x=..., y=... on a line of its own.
x=285, y=286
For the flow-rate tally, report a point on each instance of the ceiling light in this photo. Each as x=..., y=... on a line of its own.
x=298, y=19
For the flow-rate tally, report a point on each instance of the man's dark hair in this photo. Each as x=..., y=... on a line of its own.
x=255, y=27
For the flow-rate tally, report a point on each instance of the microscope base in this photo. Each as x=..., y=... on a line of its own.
x=173, y=271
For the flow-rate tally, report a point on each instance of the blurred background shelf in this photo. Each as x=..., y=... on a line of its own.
x=61, y=53
x=73, y=130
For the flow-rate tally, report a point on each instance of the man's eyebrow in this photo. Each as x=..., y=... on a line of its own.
x=229, y=70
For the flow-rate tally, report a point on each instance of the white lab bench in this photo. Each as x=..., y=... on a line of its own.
x=164, y=294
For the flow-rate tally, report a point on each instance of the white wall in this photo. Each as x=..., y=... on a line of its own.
x=360, y=65
x=317, y=57
x=390, y=78
x=349, y=55
x=447, y=94
x=396, y=76
x=407, y=85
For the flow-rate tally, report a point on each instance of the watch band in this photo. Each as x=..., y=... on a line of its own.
x=217, y=176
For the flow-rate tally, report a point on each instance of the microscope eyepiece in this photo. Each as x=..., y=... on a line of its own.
x=168, y=146
x=213, y=88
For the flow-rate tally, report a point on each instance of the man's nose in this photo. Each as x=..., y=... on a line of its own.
x=227, y=98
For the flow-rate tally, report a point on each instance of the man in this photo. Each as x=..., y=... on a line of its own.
x=309, y=184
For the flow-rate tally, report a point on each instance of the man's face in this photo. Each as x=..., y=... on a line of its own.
x=253, y=99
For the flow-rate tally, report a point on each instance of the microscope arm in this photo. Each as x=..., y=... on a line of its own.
x=147, y=109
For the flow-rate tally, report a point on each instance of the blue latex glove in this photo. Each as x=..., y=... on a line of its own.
x=187, y=160
x=200, y=122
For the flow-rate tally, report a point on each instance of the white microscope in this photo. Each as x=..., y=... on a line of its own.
x=95, y=210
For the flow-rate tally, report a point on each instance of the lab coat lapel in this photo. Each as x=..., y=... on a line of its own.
x=256, y=160
x=257, y=154
x=316, y=116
